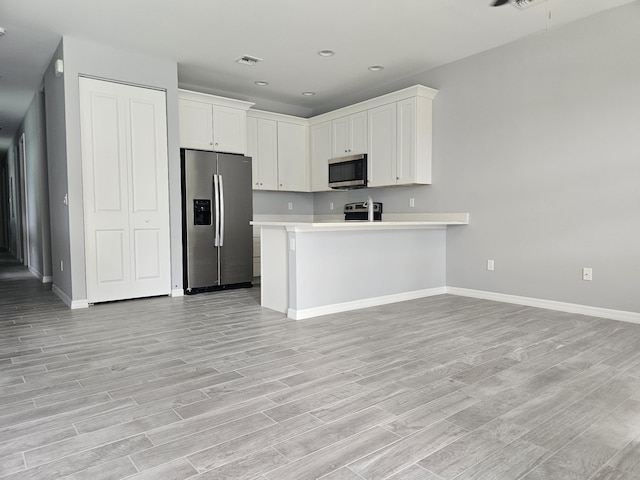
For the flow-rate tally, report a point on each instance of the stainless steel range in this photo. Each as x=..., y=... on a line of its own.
x=358, y=211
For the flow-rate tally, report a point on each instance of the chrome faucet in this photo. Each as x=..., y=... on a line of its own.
x=369, y=205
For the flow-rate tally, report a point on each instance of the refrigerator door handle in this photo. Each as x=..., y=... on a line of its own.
x=221, y=242
x=216, y=210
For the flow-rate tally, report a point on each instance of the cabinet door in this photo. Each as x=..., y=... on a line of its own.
x=229, y=129
x=349, y=134
x=196, y=125
x=293, y=157
x=340, y=137
x=266, y=155
x=382, y=146
x=406, y=133
x=252, y=143
x=320, y=155
x=358, y=133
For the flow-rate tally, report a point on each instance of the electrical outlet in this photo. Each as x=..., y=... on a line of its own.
x=587, y=274
x=61, y=266
x=490, y=265
x=290, y=205
x=412, y=202
x=330, y=205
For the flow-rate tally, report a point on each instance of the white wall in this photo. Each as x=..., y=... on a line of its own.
x=13, y=211
x=57, y=170
x=37, y=189
x=539, y=141
x=277, y=203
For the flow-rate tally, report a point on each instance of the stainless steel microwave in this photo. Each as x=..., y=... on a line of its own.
x=348, y=172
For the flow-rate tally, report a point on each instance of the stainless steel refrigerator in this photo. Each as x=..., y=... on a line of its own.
x=217, y=206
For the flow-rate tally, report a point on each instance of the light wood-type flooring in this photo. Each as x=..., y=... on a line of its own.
x=212, y=386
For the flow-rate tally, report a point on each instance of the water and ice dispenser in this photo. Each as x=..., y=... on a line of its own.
x=201, y=211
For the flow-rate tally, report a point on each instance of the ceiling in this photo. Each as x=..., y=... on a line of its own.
x=205, y=37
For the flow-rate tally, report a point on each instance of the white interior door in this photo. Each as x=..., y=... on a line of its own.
x=126, y=198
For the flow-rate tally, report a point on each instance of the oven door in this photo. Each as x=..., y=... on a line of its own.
x=348, y=172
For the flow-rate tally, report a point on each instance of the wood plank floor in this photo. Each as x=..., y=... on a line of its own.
x=212, y=386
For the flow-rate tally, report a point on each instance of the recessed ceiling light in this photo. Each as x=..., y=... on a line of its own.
x=308, y=94
x=376, y=68
x=326, y=53
x=261, y=83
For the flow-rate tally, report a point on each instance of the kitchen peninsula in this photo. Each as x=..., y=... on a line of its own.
x=312, y=269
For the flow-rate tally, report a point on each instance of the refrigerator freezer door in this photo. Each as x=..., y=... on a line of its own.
x=236, y=255
x=201, y=255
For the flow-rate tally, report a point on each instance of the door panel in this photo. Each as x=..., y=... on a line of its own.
x=149, y=193
x=106, y=158
x=147, y=249
x=236, y=253
x=144, y=178
x=110, y=262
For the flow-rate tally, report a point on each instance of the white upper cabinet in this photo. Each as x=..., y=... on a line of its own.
x=209, y=122
x=321, y=152
x=382, y=158
x=293, y=157
x=349, y=134
x=262, y=147
x=291, y=153
x=229, y=129
x=196, y=125
x=413, y=162
x=400, y=143
x=279, y=147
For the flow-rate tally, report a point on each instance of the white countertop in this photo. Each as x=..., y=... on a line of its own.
x=433, y=220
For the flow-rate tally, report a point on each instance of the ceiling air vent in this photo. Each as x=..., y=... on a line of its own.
x=525, y=3
x=248, y=60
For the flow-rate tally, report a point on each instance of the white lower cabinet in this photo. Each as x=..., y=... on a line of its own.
x=280, y=152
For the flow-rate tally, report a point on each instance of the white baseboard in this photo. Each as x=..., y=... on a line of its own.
x=35, y=273
x=624, y=316
x=177, y=292
x=73, y=304
x=364, y=303
x=40, y=276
